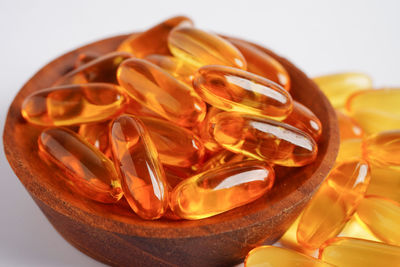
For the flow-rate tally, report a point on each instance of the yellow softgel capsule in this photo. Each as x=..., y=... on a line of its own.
x=338, y=87
x=356, y=229
x=383, y=149
x=221, y=189
x=348, y=128
x=200, y=48
x=160, y=92
x=237, y=90
x=270, y=256
x=342, y=191
x=381, y=216
x=154, y=40
x=264, y=139
x=353, y=252
x=350, y=149
x=73, y=104
x=86, y=169
x=385, y=182
x=260, y=63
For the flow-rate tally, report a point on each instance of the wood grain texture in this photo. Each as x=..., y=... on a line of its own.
x=114, y=235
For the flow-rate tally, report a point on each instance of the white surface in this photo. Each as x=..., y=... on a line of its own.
x=319, y=36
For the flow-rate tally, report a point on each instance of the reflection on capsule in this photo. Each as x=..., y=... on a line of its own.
x=97, y=135
x=348, y=128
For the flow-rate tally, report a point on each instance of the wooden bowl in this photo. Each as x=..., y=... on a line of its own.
x=113, y=234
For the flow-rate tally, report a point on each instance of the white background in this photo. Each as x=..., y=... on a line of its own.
x=319, y=36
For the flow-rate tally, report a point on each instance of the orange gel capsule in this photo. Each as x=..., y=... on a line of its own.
x=176, y=146
x=232, y=89
x=103, y=69
x=304, y=119
x=205, y=130
x=350, y=149
x=89, y=172
x=97, y=135
x=160, y=92
x=381, y=216
x=341, y=191
x=260, y=63
x=221, y=158
x=348, y=128
x=73, y=104
x=177, y=68
x=84, y=58
x=136, y=158
x=221, y=189
x=270, y=256
x=199, y=48
x=383, y=149
x=375, y=110
x=264, y=139
x=355, y=228
x=385, y=182
x=353, y=252
x=154, y=40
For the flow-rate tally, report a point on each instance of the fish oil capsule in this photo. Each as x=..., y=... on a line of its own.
x=86, y=169
x=338, y=87
x=260, y=63
x=97, y=135
x=102, y=69
x=304, y=119
x=385, y=182
x=176, y=146
x=154, y=40
x=382, y=217
x=160, y=92
x=371, y=106
x=136, y=158
x=270, y=256
x=221, y=158
x=232, y=89
x=353, y=252
x=221, y=189
x=355, y=229
x=264, y=139
x=348, y=128
x=205, y=130
x=177, y=68
x=73, y=104
x=341, y=191
x=199, y=48
x=383, y=149
x=84, y=58
x=350, y=149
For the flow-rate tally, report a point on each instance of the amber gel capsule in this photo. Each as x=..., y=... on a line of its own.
x=97, y=135
x=136, y=158
x=232, y=89
x=200, y=48
x=260, y=63
x=341, y=193
x=348, y=128
x=102, y=69
x=73, y=104
x=205, y=130
x=154, y=40
x=270, y=256
x=264, y=139
x=353, y=252
x=382, y=217
x=176, y=145
x=91, y=173
x=385, y=182
x=221, y=189
x=383, y=148
x=160, y=92
x=338, y=87
x=221, y=158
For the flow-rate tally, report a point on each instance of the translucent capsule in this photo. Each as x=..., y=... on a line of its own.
x=176, y=146
x=348, y=128
x=355, y=229
x=260, y=63
x=341, y=191
x=84, y=58
x=232, y=89
x=350, y=149
x=353, y=252
x=385, y=182
x=178, y=68
x=270, y=256
x=86, y=169
x=102, y=69
x=383, y=148
x=73, y=104
x=221, y=158
x=304, y=119
x=97, y=135
x=205, y=130
x=221, y=189
x=136, y=158
x=264, y=139
x=199, y=48
x=154, y=40
x=160, y=92
x=381, y=216
x=338, y=87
